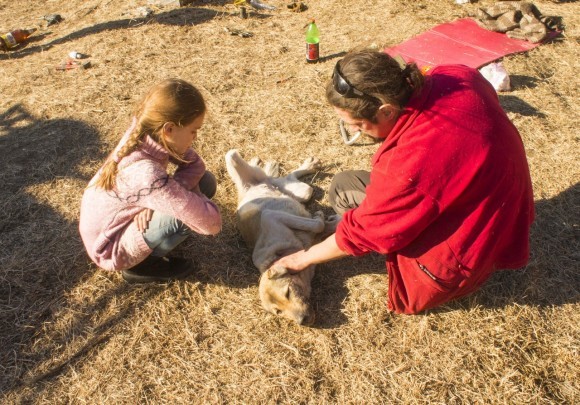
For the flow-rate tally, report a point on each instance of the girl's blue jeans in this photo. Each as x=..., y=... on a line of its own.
x=165, y=232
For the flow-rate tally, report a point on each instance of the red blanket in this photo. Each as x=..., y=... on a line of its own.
x=460, y=42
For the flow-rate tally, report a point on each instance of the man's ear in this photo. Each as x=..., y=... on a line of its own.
x=276, y=272
x=389, y=111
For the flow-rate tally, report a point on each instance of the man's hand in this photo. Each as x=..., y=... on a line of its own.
x=294, y=262
x=142, y=219
x=322, y=252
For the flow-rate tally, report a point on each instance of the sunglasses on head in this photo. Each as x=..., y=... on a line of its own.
x=344, y=88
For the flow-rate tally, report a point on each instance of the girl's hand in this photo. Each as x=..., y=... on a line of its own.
x=142, y=219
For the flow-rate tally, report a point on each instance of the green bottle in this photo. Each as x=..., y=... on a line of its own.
x=312, y=40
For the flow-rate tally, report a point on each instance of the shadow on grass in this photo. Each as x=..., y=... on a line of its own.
x=39, y=260
x=99, y=334
x=523, y=82
x=181, y=16
x=42, y=258
x=551, y=278
x=515, y=104
x=331, y=56
x=329, y=290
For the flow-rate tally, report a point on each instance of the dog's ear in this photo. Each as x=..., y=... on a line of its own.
x=276, y=272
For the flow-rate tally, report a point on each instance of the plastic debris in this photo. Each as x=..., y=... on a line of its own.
x=77, y=55
x=52, y=19
x=139, y=12
x=144, y=11
x=70, y=64
x=258, y=5
x=297, y=6
x=497, y=75
x=241, y=33
x=166, y=3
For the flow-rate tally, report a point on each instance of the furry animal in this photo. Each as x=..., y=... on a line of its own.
x=273, y=222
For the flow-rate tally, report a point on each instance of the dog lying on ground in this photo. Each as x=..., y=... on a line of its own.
x=274, y=223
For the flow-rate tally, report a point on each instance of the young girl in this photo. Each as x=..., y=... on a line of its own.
x=133, y=213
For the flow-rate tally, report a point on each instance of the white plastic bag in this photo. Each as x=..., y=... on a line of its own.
x=496, y=74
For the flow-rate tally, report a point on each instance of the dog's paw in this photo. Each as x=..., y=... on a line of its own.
x=311, y=163
x=272, y=169
x=318, y=215
x=255, y=161
x=330, y=223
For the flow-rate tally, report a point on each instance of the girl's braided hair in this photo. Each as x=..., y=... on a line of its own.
x=379, y=76
x=172, y=100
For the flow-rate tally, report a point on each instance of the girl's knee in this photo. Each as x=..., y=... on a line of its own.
x=165, y=234
x=181, y=228
x=208, y=184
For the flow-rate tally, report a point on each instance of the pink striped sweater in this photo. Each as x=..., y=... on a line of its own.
x=106, y=224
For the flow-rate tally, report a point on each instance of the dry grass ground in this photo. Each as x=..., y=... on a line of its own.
x=70, y=333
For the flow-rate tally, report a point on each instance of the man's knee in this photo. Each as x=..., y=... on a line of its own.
x=336, y=195
x=347, y=190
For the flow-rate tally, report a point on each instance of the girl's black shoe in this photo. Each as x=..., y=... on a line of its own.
x=158, y=269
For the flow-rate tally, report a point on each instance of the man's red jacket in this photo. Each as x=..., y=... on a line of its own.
x=450, y=197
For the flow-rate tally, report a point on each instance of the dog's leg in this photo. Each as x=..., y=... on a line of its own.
x=292, y=186
x=296, y=189
x=330, y=224
x=309, y=166
x=272, y=169
x=255, y=161
x=243, y=174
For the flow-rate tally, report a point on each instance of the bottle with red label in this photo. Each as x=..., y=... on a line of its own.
x=14, y=38
x=312, y=42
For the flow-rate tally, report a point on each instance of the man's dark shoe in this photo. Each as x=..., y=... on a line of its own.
x=158, y=269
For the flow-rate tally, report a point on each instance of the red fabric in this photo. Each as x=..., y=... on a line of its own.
x=460, y=42
x=450, y=196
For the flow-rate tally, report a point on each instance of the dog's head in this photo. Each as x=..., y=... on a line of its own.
x=287, y=295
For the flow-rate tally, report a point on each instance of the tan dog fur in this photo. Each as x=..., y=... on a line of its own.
x=274, y=223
